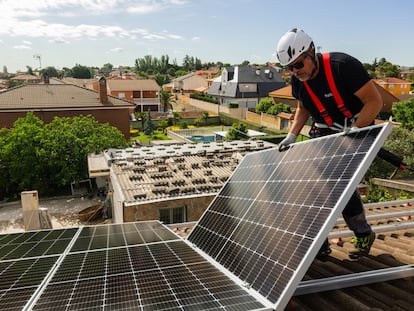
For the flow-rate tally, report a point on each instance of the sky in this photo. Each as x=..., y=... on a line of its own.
x=64, y=33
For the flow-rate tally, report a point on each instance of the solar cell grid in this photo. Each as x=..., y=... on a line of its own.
x=264, y=226
x=271, y=216
x=165, y=274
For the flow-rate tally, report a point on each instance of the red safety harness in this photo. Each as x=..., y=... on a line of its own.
x=338, y=99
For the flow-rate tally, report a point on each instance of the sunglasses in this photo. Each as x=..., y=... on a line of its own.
x=298, y=65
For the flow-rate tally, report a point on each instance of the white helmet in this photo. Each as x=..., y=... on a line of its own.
x=293, y=44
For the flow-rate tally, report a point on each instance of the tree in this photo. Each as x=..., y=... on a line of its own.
x=278, y=108
x=29, y=70
x=140, y=115
x=50, y=71
x=205, y=117
x=163, y=124
x=47, y=157
x=165, y=100
x=403, y=112
x=149, y=126
x=81, y=72
x=238, y=131
x=20, y=153
x=264, y=104
x=401, y=143
x=108, y=66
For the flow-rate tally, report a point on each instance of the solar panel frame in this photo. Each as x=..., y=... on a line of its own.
x=233, y=234
x=227, y=262
x=131, y=266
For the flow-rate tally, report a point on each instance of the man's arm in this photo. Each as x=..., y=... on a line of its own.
x=372, y=101
x=301, y=117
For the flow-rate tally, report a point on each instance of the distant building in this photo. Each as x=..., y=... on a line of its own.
x=64, y=100
x=395, y=86
x=245, y=86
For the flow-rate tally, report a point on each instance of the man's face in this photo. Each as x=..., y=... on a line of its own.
x=302, y=67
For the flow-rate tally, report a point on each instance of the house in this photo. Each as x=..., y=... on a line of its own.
x=395, y=86
x=172, y=183
x=26, y=78
x=245, y=86
x=190, y=83
x=64, y=100
x=144, y=94
x=284, y=95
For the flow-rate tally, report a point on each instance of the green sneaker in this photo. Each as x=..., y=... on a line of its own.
x=362, y=245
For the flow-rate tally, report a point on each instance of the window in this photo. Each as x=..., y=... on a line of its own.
x=173, y=215
x=121, y=95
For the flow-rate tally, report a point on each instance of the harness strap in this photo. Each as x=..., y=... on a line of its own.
x=319, y=105
x=329, y=76
x=338, y=99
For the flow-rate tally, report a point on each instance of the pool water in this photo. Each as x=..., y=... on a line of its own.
x=200, y=138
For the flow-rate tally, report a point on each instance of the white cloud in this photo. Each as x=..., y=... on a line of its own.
x=59, y=41
x=27, y=42
x=116, y=50
x=195, y=38
x=151, y=6
x=22, y=47
x=33, y=19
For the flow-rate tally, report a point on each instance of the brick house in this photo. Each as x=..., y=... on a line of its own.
x=64, y=100
x=144, y=94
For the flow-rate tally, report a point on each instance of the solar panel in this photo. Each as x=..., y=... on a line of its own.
x=131, y=266
x=252, y=246
x=273, y=214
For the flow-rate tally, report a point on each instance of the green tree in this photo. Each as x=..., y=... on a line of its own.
x=278, y=108
x=161, y=79
x=149, y=126
x=163, y=124
x=165, y=100
x=81, y=72
x=401, y=143
x=50, y=71
x=47, y=157
x=238, y=131
x=141, y=116
x=20, y=153
x=264, y=104
x=205, y=117
x=29, y=70
x=403, y=112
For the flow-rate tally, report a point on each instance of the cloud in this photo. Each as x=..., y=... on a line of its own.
x=195, y=38
x=23, y=18
x=116, y=50
x=148, y=6
x=59, y=41
x=22, y=47
x=27, y=42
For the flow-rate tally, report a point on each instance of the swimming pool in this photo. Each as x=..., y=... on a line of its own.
x=201, y=139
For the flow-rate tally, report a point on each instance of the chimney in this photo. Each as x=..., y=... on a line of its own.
x=103, y=92
x=45, y=78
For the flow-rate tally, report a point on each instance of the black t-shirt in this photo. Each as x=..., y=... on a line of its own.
x=349, y=76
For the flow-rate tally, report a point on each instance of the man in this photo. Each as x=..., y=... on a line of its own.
x=336, y=91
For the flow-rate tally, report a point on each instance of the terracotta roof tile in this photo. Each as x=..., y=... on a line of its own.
x=54, y=96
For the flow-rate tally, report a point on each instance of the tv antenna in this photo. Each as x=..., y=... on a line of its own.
x=39, y=58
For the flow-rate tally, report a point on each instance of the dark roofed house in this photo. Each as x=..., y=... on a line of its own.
x=64, y=100
x=245, y=86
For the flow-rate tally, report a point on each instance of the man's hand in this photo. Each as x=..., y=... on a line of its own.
x=289, y=139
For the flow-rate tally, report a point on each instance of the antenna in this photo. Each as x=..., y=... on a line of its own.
x=39, y=58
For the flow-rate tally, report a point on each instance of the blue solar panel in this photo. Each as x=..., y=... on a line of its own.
x=251, y=247
x=277, y=208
